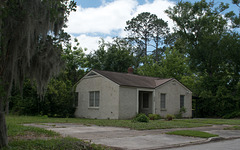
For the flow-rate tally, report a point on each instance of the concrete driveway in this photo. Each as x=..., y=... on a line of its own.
x=124, y=138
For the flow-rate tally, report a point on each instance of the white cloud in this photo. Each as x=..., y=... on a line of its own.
x=110, y=18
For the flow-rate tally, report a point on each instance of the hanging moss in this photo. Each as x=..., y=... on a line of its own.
x=29, y=29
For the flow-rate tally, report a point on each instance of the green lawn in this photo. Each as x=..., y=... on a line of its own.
x=59, y=143
x=23, y=137
x=192, y=133
x=156, y=124
x=28, y=138
x=213, y=121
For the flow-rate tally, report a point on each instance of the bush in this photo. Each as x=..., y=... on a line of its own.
x=235, y=114
x=181, y=112
x=141, y=118
x=169, y=117
x=154, y=116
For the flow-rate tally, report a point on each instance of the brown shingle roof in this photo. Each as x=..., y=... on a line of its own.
x=128, y=79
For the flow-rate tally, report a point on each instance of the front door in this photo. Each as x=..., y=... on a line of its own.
x=145, y=102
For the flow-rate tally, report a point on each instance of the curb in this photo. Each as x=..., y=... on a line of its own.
x=209, y=140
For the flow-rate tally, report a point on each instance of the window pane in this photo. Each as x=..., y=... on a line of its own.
x=97, y=99
x=181, y=101
x=91, y=99
x=145, y=100
x=163, y=101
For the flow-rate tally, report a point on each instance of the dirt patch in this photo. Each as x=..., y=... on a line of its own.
x=28, y=135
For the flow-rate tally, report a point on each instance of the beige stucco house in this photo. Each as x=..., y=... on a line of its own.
x=113, y=95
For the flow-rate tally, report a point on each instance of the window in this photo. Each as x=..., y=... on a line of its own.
x=145, y=100
x=94, y=99
x=163, y=101
x=181, y=101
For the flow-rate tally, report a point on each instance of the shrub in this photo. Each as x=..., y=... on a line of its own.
x=141, y=118
x=169, y=117
x=154, y=116
x=181, y=112
x=235, y=114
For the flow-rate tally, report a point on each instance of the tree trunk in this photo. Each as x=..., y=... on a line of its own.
x=157, y=50
x=3, y=128
x=3, y=131
x=7, y=107
x=145, y=47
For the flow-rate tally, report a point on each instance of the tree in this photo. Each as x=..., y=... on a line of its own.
x=173, y=65
x=233, y=17
x=206, y=38
x=200, y=28
x=59, y=99
x=116, y=56
x=159, y=33
x=145, y=29
x=29, y=46
x=74, y=58
x=140, y=30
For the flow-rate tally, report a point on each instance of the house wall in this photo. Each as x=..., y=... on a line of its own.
x=173, y=90
x=109, y=98
x=127, y=102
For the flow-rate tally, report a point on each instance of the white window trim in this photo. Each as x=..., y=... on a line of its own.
x=165, y=108
x=94, y=100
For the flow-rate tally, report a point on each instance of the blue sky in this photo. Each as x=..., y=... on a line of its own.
x=95, y=19
x=97, y=3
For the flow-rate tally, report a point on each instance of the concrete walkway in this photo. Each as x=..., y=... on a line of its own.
x=124, y=138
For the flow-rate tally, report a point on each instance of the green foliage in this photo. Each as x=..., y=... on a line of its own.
x=213, y=51
x=116, y=56
x=58, y=100
x=149, y=67
x=234, y=114
x=66, y=143
x=173, y=65
x=141, y=118
x=74, y=58
x=181, y=112
x=154, y=116
x=192, y=133
x=169, y=117
x=144, y=29
x=235, y=19
x=53, y=144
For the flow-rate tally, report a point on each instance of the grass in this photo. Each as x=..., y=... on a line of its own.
x=26, y=137
x=213, y=121
x=153, y=124
x=53, y=144
x=232, y=128
x=192, y=133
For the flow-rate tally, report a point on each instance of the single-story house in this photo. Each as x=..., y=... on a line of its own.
x=114, y=95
